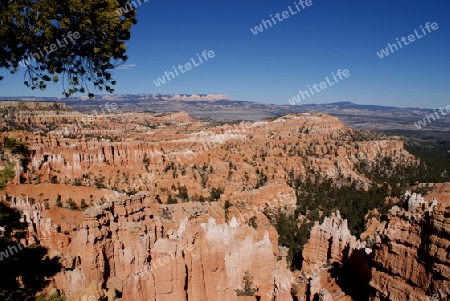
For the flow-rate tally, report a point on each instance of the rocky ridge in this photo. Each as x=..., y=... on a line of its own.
x=139, y=248
x=403, y=257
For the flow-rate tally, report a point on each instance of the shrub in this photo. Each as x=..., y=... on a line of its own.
x=146, y=161
x=171, y=200
x=252, y=222
x=214, y=194
x=247, y=282
x=6, y=174
x=53, y=297
x=227, y=206
x=72, y=205
x=58, y=202
x=16, y=147
x=83, y=204
x=183, y=194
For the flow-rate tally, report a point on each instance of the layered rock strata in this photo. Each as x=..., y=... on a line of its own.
x=411, y=257
x=136, y=249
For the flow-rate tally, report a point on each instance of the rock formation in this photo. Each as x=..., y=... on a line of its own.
x=132, y=248
x=131, y=243
x=330, y=242
x=410, y=259
x=406, y=259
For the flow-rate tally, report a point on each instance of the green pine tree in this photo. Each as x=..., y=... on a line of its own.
x=92, y=35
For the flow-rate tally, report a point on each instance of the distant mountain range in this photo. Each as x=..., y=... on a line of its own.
x=129, y=97
x=221, y=107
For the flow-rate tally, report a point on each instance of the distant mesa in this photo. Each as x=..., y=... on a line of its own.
x=129, y=97
x=159, y=97
x=33, y=105
x=185, y=97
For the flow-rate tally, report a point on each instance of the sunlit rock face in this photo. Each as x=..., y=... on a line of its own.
x=404, y=257
x=330, y=241
x=139, y=248
x=126, y=247
x=411, y=260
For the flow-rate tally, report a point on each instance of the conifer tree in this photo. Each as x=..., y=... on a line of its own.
x=73, y=41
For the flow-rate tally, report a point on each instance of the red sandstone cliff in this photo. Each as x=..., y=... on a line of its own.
x=411, y=258
x=137, y=249
x=407, y=257
x=141, y=250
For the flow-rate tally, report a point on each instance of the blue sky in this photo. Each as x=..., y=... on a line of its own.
x=272, y=66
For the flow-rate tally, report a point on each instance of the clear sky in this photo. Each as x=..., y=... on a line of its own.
x=300, y=50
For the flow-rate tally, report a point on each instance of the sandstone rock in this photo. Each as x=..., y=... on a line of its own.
x=145, y=250
x=324, y=295
x=126, y=248
x=328, y=243
x=411, y=261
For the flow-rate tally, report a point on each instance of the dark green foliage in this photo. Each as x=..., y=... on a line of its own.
x=53, y=297
x=214, y=194
x=436, y=160
x=19, y=148
x=14, y=229
x=6, y=175
x=227, y=205
x=130, y=192
x=29, y=26
x=54, y=180
x=99, y=182
x=389, y=180
x=16, y=147
x=158, y=199
x=58, y=202
x=248, y=289
x=291, y=235
x=204, y=177
x=146, y=161
x=171, y=200
x=71, y=204
x=24, y=270
x=262, y=178
x=353, y=203
x=313, y=215
x=83, y=204
x=433, y=167
x=226, y=208
x=252, y=222
x=315, y=194
x=182, y=193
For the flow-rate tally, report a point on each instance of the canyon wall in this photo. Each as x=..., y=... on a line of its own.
x=411, y=257
x=136, y=249
x=141, y=248
x=405, y=256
